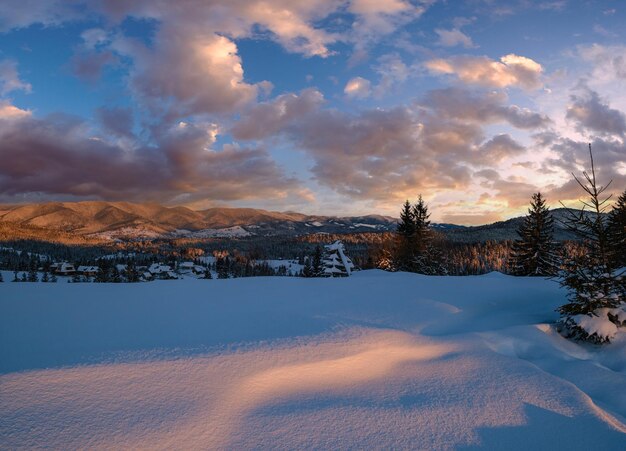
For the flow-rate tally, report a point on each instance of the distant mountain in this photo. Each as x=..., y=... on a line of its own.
x=127, y=220
x=507, y=230
x=124, y=220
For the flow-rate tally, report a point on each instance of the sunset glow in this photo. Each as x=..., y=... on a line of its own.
x=324, y=106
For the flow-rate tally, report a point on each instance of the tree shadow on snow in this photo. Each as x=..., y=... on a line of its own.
x=547, y=430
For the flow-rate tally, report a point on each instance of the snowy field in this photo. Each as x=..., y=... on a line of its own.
x=374, y=361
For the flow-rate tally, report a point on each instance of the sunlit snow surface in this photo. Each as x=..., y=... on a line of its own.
x=374, y=361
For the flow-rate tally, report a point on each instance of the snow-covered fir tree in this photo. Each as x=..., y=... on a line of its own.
x=596, y=290
x=335, y=261
x=534, y=253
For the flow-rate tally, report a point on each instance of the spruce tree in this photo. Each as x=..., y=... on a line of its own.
x=1, y=279
x=534, y=253
x=617, y=232
x=307, y=270
x=596, y=289
x=317, y=265
x=405, y=233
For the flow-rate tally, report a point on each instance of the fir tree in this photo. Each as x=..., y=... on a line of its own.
x=336, y=262
x=45, y=278
x=15, y=277
x=596, y=290
x=1, y=279
x=617, y=232
x=317, y=265
x=405, y=233
x=307, y=270
x=32, y=275
x=534, y=253
x=131, y=273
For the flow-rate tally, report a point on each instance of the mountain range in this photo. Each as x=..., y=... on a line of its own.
x=123, y=220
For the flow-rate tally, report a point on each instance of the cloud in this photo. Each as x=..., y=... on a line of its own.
x=10, y=112
x=188, y=71
x=453, y=37
x=593, y=114
x=607, y=62
x=23, y=13
x=89, y=65
x=392, y=70
x=10, y=79
x=499, y=148
x=116, y=121
x=61, y=155
x=572, y=156
x=358, y=87
x=483, y=108
x=266, y=119
x=511, y=70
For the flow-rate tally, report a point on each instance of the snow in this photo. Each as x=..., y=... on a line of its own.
x=373, y=361
x=599, y=324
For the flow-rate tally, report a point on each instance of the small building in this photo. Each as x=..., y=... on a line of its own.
x=63, y=268
x=88, y=270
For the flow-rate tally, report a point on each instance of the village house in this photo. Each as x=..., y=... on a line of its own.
x=63, y=268
x=89, y=271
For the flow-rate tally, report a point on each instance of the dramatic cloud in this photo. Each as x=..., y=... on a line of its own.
x=511, y=70
x=59, y=156
x=393, y=154
x=572, y=156
x=456, y=103
x=188, y=72
x=358, y=87
x=267, y=119
x=116, y=121
x=10, y=79
x=592, y=114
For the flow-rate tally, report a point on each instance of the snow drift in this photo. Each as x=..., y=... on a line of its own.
x=376, y=361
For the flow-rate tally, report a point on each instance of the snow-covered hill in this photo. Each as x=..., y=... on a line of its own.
x=374, y=361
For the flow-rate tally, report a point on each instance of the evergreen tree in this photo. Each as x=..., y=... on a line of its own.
x=53, y=278
x=207, y=274
x=534, y=253
x=307, y=270
x=617, y=232
x=317, y=265
x=1, y=279
x=405, y=233
x=32, y=275
x=131, y=273
x=426, y=257
x=596, y=290
x=45, y=278
x=415, y=251
x=15, y=277
x=336, y=262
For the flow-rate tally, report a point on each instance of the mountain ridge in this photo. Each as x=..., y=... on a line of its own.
x=111, y=220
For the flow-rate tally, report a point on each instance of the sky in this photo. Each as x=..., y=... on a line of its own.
x=339, y=107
